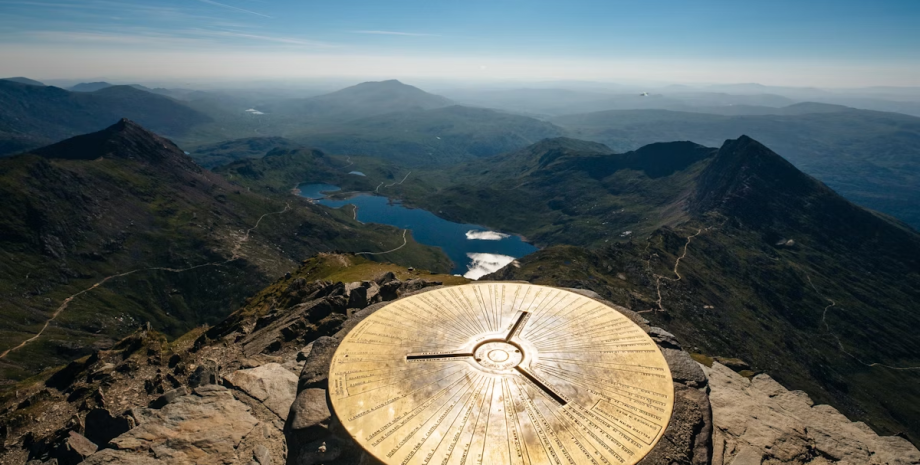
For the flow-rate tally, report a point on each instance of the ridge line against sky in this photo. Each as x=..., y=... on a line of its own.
x=846, y=43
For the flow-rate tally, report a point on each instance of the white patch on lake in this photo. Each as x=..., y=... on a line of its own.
x=485, y=263
x=356, y=173
x=485, y=235
x=253, y=111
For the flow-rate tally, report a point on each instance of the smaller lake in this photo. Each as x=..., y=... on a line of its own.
x=475, y=251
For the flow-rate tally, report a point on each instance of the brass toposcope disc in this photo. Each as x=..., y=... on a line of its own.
x=501, y=373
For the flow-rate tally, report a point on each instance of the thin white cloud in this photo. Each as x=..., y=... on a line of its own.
x=485, y=235
x=485, y=263
x=395, y=33
x=212, y=2
x=283, y=40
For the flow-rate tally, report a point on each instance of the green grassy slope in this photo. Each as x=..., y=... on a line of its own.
x=775, y=268
x=181, y=246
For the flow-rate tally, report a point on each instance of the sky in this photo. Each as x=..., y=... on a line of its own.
x=842, y=43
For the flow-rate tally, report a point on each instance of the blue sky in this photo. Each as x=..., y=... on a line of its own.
x=806, y=42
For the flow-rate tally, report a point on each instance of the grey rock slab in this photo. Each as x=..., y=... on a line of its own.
x=309, y=409
x=262, y=455
x=121, y=457
x=759, y=418
x=315, y=371
x=204, y=427
x=78, y=443
x=683, y=368
x=271, y=384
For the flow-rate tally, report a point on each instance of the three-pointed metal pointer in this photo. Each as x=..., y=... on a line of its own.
x=515, y=330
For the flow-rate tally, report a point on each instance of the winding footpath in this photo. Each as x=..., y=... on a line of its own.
x=658, y=277
x=837, y=338
x=235, y=255
x=405, y=241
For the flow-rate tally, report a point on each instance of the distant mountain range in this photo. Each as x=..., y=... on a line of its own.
x=872, y=158
x=33, y=115
x=869, y=157
x=360, y=101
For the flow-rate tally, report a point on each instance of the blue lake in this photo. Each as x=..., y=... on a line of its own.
x=475, y=250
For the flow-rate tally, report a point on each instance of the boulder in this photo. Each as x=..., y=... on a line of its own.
x=309, y=409
x=316, y=369
x=168, y=397
x=76, y=449
x=208, y=372
x=203, y=427
x=759, y=421
x=262, y=455
x=683, y=368
x=271, y=384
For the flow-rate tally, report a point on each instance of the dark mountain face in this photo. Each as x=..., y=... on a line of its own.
x=125, y=224
x=871, y=158
x=125, y=140
x=31, y=116
x=769, y=265
x=362, y=100
x=565, y=191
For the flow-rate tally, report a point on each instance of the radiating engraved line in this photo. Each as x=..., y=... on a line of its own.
x=549, y=325
x=485, y=434
x=518, y=423
x=481, y=312
x=562, y=324
x=414, y=390
x=463, y=407
x=426, y=324
x=466, y=417
x=466, y=450
x=562, y=420
x=455, y=314
x=397, y=423
x=404, y=311
x=580, y=345
x=582, y=362
x=603, y=389
x=559, y=444
x=451, y=294
x=486, y=312
x=602, y=316
x=424, y=318
x=591, y=337
x=419, y=427
x=541, y=433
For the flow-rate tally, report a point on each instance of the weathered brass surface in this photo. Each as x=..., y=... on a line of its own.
x=501, y=373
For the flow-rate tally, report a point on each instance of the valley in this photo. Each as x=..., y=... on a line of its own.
x=677, y=217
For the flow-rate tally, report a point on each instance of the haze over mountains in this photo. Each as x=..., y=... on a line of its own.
x=743, y=223
x=870, y=157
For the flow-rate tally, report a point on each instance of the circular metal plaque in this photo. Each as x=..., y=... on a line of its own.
x=501, y=373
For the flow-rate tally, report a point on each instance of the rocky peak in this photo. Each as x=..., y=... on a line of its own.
x=123, y=140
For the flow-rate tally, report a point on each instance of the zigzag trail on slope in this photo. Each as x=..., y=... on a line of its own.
x=658, y=277
x=837, y=338
x=235, y=255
